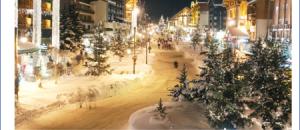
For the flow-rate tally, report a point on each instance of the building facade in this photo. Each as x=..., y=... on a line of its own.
x=37, y=28
x=92, y=12
x=204, y=14
x=259, y=18
x=217, y=15
x=182, y=18
x=197, y=15
x=236, y=14
x=38, y=21
x=129, y=6
x=116, y=11
x=86, y=15
x=282, y=20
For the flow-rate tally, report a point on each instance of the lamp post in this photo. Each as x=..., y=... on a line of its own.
x=134, y=58
x=135, y=12
x=147, y=51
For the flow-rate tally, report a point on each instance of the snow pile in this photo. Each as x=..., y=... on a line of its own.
x=33, y=100
x=180, y=115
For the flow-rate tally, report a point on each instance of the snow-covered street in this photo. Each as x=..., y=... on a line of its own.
x=113, y=111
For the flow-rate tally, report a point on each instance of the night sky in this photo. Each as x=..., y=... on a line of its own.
x=167, y=8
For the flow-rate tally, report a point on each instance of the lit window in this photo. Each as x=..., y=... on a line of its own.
x=47, y=6
x=47, y=23
x=28, y=21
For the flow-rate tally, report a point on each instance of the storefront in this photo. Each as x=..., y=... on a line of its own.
x=238, y=39
x=33, y=63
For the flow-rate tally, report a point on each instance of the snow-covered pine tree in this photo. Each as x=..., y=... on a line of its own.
x=196, y=39
x=161, y=109
x=118, y=46
x=222, y=89
x=68, y=42
x=181, y=91
x=62, y=26
x=77, y=27
x=100, y=47
x=270, y=83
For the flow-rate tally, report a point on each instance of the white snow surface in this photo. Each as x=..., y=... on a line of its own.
x=76, y=87
x=180, y=115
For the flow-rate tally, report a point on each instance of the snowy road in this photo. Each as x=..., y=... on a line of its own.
x=114, y=112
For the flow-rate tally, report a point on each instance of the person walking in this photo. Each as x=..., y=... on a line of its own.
x=175, y=64
x=149, y=49
x=68, y=68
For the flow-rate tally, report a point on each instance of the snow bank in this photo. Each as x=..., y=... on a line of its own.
x=180, y=115
x=77, y=87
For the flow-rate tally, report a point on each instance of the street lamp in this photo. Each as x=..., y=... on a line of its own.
x=128, y=51
x=147, y=51
x=136, y=11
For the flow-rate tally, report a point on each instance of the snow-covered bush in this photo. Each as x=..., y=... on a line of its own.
x=161, y=109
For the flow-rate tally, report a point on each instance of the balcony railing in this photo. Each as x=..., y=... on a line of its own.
x=86, y=9
x=25, y=4
x=87, y=20
x=281, y=27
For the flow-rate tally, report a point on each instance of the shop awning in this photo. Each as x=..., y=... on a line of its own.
x=237, y=32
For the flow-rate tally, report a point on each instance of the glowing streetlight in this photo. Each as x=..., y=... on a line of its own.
x=86, y=42
x=220, y=35
x=135, y=11
x=128, y=51
x=231, y=22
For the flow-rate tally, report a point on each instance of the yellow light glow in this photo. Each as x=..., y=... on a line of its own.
x=46, y=6
x=243, y=29
x=28, y=21
x=231, y=22
x=128, y=51
x=135, y=11
x=23, y=39
x=47, y=23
